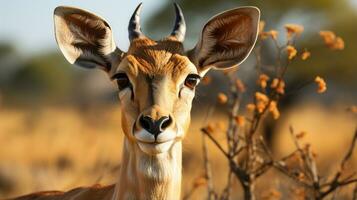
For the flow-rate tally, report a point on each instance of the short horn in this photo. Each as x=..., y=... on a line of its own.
x=180, y=25
x=134, y=24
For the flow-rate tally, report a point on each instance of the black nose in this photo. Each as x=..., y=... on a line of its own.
x=155, y=127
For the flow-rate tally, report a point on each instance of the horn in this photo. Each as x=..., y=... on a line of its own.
x=134, y=24
x=179, y=30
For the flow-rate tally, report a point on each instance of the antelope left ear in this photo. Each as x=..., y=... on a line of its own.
x=84, y=38
x=227, y=39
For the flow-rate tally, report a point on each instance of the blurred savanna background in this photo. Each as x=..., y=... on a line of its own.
x=60, y=124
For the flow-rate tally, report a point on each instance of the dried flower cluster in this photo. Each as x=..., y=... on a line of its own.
x=262, y=80
x=332, y=41
x=222, y=98
x=321, y=84
x=273, y=109
x=293, y=29
x=262, y=101
x=248, y=155
x=291, y=51
x=272, y=33
x=206, y=80
x=240, y=120
x=305, y=55
x=278, y=85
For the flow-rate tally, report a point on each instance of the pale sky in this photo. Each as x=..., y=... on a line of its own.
x=28, y=24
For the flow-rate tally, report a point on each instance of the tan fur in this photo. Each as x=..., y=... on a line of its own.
x=158, y=57
x=151, y=168
x=155, y=69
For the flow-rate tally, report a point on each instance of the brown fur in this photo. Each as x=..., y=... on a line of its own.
x=81, y=193
x=164, y=57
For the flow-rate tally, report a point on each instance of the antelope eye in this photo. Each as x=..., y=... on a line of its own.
x=122, y=80
x=192, y=80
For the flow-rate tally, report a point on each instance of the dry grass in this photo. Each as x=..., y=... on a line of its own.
x=61, y=148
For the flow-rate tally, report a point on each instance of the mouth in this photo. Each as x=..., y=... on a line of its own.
x=154, y=148
x=155, y=145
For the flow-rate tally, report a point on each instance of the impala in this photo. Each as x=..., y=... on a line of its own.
x=156, y=82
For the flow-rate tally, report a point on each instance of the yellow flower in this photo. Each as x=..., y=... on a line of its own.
x=279, y=86
x=263, y=35
x=274, y=34
x=262, y=80
x=250, y=107
x=292, y=29
x=339, y=44
x=321, y=84
x=328, y=37
x=273, y=109
x=222, y=98
x=206, y=80
x=261, y=97
x=210, y=128
x=261, y=101
x=332, y=41
x=291, y=51
x=274, y=83
x=261, y=106
x=305, y=55
x=261, y=26
x=280, y=89
x=240, y=120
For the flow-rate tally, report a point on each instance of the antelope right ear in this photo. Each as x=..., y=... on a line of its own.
x=84, y=38
x=227, y=39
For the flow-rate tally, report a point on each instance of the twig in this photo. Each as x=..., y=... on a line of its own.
x=355, y=192
x=206, y=132
x=206, y=162
x=350, y=151
x=208, y=172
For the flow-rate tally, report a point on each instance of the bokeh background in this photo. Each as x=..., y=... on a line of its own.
x=60, y=125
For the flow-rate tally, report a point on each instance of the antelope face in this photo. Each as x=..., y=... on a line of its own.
x=156, y=79
x=156, y=86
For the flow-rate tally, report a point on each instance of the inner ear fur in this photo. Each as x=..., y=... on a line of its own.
x=227, y=39
x=84, y=38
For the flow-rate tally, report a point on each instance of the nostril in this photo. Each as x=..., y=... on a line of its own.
x=155, y=127
x=145, y=122
x=165, y=123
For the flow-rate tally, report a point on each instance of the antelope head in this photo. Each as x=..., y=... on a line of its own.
x=156, y=79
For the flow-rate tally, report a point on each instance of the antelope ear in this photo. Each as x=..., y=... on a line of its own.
x=84, y=38
x=227, y=39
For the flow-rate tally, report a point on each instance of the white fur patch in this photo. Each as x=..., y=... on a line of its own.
x=155, y=148
x=147, y=143
x=146, y=137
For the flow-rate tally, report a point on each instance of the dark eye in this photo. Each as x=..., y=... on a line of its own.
x=192, y=80
x=122, y=80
